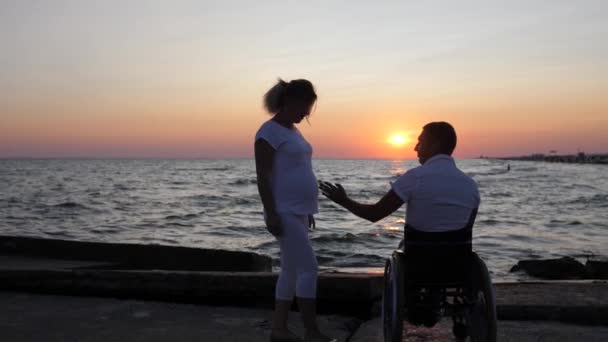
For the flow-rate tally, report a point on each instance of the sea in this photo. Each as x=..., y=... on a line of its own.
x=528, y=209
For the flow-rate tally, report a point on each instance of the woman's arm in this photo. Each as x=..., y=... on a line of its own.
x=264, y=157
x=371, y=212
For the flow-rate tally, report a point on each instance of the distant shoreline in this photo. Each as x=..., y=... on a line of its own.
x=580, y=158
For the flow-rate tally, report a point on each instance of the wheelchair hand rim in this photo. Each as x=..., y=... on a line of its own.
x=477, y=318
x=392, y=321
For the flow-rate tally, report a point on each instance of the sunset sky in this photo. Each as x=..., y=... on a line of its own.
x=186, y=78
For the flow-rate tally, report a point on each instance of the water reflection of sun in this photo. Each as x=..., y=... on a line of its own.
x=391, y=227
x=395, y=225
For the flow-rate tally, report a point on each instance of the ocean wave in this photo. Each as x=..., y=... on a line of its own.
x=324, y=260
x=187, y=169
x=489, y=173
x=359, y=237
x=245, y=201
x=220, y=168
x=244, y=181
x=500, y=194
x=267, y=244
x=497, y=222
x=157, y=240
x=557, y=223
x=70, y=205
x=526, y=169
x=179, y=183
x=519, y=237
x=177, y=224
x=382, y=178
x=122, y=187
x=12, y=200
x=488, y=222
x=334, y=237
x=56, y=233
x=181, y=217
x=601, y=199
x=355, y=260
x=103, y=231
x=206, y=197
x=576, y=186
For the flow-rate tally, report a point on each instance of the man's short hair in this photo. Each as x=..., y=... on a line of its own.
x=444, y=134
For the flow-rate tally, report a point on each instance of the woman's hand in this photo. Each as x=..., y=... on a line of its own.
x=312, y=225
x=273, y=224
x=334, y=192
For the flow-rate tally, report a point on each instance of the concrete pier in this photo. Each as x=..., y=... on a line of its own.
x=88, y=299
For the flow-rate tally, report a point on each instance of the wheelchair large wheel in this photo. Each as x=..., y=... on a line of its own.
x=392, y=300
x=481, y=313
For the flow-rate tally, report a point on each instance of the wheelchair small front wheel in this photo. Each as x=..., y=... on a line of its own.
x=392, y=300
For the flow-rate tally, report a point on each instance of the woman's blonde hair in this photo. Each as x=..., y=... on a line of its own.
x=276, y=96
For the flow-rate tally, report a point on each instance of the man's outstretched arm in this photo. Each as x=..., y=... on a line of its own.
x=371, y=212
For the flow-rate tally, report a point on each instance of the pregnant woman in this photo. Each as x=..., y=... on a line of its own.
x=288, y=188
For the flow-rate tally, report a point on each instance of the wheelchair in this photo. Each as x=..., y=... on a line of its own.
x=436, y=275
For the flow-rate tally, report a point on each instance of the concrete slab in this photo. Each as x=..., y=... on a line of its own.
x=15, y=262
x=30, y=317
x=562, y=293
x=137, y=256
x=508, y=331
x=578, y=302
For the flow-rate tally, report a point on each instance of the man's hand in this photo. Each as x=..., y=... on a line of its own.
x=273, y=224
x=334, y=192
x=371, y=212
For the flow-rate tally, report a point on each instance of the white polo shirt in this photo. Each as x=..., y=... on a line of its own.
x=439, y=196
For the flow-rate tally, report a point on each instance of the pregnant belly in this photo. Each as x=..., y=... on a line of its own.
x=302, y=188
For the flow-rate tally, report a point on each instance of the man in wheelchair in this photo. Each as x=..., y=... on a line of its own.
x=442, y=203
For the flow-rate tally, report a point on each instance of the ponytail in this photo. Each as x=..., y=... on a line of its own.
x=283, y=91
x=273, y=99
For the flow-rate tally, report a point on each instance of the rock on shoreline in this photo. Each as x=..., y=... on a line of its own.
x=563, y=268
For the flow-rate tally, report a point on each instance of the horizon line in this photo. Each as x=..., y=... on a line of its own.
x=481, y=156
x=228, y=158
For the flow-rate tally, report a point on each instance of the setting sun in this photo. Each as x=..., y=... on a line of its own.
x=398, y=140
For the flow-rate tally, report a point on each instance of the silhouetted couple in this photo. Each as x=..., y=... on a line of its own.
x=439, y=197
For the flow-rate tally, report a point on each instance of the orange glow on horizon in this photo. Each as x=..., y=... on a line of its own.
x=178, y=85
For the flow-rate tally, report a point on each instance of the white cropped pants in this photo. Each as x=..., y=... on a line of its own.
x=299, y=266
